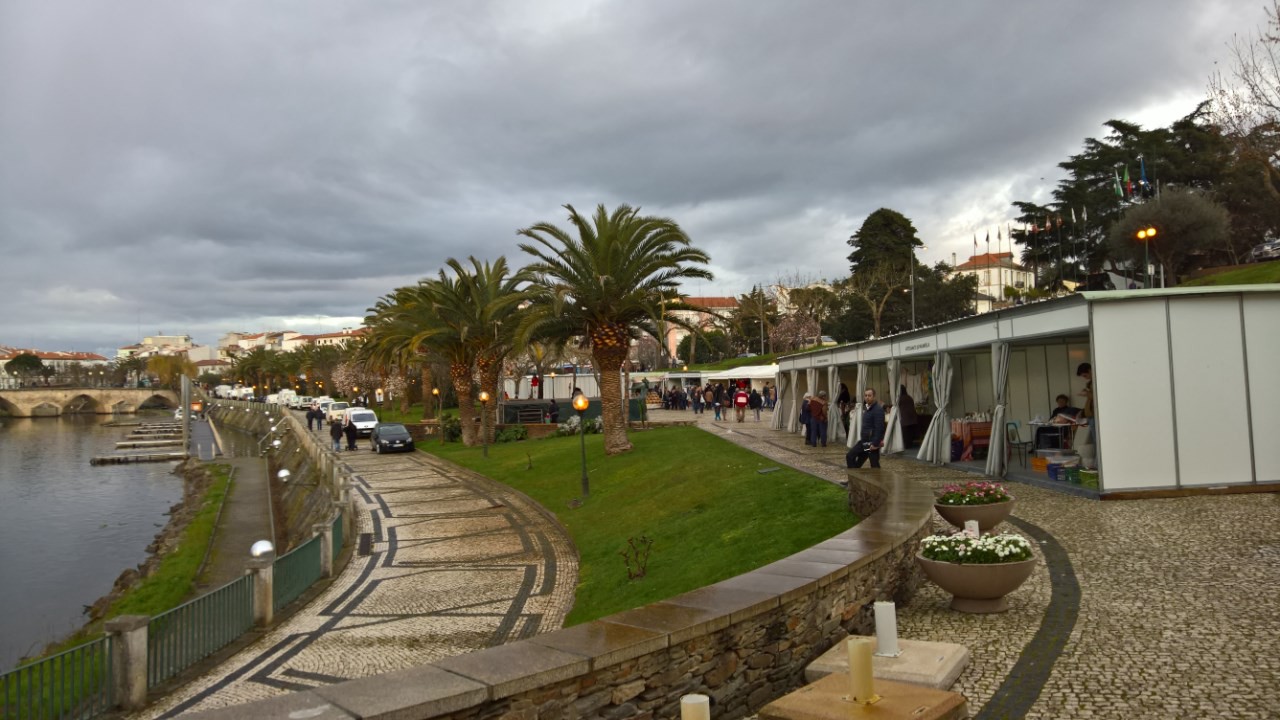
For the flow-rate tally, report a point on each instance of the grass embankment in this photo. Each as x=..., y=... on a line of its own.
x=710, y=514
x=1258, y=273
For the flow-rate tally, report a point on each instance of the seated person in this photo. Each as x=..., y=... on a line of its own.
x=1063, y=414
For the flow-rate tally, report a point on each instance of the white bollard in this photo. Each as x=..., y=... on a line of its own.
x=887, y=630
x=695, y=707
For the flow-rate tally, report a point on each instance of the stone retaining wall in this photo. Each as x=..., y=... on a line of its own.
x=744, y=641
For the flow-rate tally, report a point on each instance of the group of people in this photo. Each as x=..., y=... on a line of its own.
x=815, y=420
x=719, y=397
x=339, y=428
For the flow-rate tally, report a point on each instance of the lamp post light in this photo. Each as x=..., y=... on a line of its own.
x=553, y=385
x=1144, y=236
x=484, y=421
x=580, y=404
x=913, y=282
x=435, y=393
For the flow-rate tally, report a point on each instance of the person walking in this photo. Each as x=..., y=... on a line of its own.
x=754, y=401
x=349, y=429
x=335, y=432
x=872, y=439
x=718, y=394
x=818, y=419
x=740, y=400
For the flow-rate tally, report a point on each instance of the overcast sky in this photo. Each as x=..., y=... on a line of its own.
x=201, y=167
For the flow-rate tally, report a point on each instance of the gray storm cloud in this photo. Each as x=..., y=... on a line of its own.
x=204, y=167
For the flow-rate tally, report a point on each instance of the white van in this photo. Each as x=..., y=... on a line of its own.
x=363, y=418
x=286, y=397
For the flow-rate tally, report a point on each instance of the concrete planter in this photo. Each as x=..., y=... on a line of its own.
x=978, y=588
x=988, y=516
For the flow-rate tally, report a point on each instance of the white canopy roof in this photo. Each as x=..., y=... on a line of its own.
x=746, y=372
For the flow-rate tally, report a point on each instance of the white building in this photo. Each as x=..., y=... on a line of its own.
x=719, y=309
x=995, y=272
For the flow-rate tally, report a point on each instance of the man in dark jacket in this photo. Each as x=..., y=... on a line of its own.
x=872, y=439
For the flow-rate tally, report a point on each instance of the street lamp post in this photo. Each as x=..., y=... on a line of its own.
x=913, y=283
x=580, y=404
x=1144, y=236
x=435, y=394
x=484, y=421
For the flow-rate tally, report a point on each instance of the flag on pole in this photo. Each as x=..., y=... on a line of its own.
x=1143, y=165
x=1073, y=215
x=1085, y=210
x=1128, y=184
x=1119, y=189
x=988, y=242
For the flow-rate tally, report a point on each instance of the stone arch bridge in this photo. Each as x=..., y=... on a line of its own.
x=52, y=401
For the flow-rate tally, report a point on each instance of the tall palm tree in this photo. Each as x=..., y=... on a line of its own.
x=617, y=278
x=496, y=296
x=393, y=324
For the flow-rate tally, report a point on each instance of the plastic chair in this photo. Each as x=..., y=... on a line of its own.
x=1013, y=438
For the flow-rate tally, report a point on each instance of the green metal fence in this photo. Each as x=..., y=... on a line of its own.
x=295, y=571
x=187, y=634
x=75, y=683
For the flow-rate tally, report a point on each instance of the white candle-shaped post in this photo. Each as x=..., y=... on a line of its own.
x=695, y=707
x=861, y=683
x=886, y=630
x=971, y=528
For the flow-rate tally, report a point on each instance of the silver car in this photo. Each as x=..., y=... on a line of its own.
x=1269, y=250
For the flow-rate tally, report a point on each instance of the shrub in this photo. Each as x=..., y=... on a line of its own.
x=451, y=426
x=512, y=433
x=570, y=427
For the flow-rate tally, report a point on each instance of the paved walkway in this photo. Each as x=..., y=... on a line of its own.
x=1143, y=609
x=458, y=563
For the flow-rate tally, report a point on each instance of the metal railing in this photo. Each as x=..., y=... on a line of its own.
x=75, y=683
x=187, y=634
x=294, y=572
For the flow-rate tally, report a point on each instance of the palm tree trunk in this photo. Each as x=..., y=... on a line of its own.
x=609, y=349
x=461, y=376
x=489, y=371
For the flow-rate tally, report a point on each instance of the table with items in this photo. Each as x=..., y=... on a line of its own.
x=971, y=435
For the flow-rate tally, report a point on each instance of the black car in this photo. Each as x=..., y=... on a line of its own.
x=391, y=437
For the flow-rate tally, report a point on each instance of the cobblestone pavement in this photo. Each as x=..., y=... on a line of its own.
x=458, y=563
x=1164, y=608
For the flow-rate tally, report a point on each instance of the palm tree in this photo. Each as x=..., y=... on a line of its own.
x=393, y=325
x=497, y=298
x=605, y=286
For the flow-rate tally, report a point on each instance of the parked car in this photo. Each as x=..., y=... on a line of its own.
x=363, y=419
x=391, y=437
x=302, y=402
x=1269, y=250
x=334, y=410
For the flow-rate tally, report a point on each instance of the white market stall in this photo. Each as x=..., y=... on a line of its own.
x=1185, y=390
x=758, y=376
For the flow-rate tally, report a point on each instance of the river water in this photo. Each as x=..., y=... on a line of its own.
x=68, y=529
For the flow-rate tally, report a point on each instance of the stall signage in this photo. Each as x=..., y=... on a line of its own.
x=926, y=345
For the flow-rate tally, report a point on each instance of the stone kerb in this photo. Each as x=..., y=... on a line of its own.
x=744, y=641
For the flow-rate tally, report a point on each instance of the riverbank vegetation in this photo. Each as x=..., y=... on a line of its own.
x=698, y=505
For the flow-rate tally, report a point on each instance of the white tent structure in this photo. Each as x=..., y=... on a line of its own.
x=1186, y=395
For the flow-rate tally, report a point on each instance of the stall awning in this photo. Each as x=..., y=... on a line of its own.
x=746, y=372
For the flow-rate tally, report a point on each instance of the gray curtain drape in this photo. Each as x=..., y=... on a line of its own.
x=855, y=423
x=835, y=429
x=780, y=384
x=893, y=426
x=936, y=446
x=996, y=465
x=792, y=406
x=811, y=383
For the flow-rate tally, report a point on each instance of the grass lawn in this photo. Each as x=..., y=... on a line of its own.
x=710, y=514
x=1263, y=272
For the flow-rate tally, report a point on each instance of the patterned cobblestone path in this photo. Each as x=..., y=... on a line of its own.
x=457, y=563
x=1162, y=608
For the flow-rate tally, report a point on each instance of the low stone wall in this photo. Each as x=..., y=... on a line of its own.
x=744, y=641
